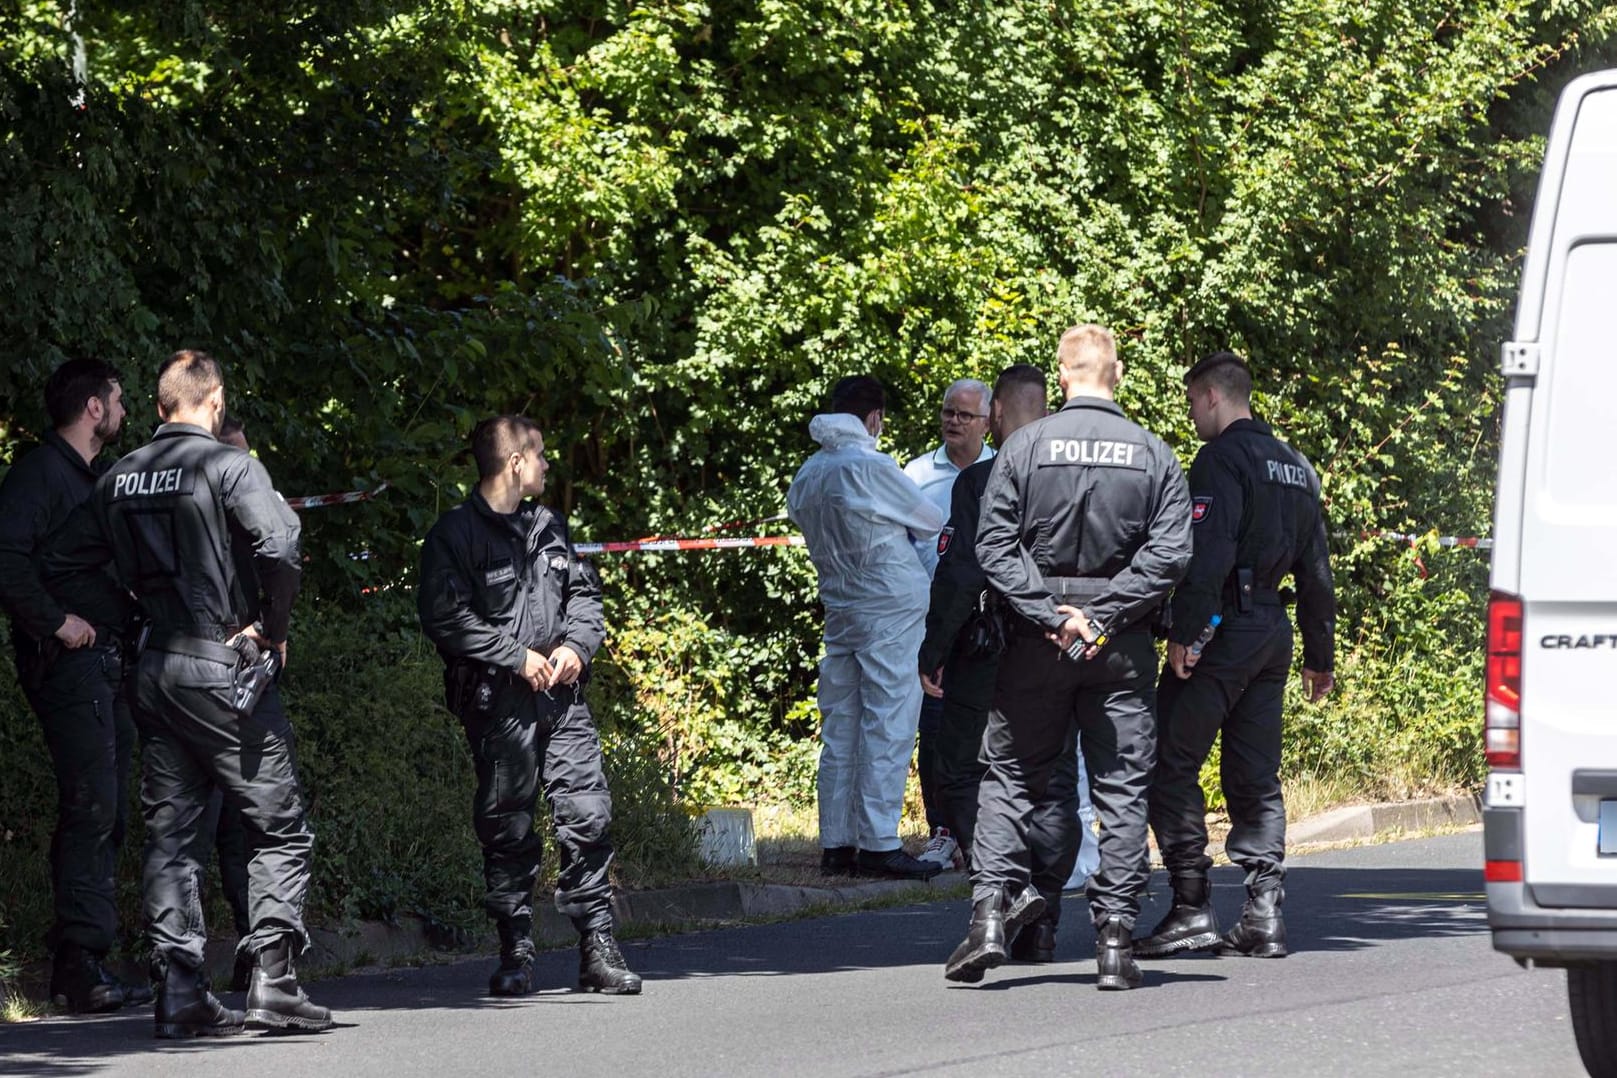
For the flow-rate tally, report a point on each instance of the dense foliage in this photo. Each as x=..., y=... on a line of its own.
x=662, y=229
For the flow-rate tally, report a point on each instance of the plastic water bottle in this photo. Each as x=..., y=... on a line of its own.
x=1206, y=636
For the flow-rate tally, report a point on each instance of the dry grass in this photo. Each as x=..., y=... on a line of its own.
x=18, y=1008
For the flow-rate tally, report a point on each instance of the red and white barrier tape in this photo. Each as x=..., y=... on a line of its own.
x=316, y=501
x=688, y=544
x=1468, y=541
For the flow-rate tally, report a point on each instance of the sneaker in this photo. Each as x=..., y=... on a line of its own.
x=893, y=865
x=942, y=850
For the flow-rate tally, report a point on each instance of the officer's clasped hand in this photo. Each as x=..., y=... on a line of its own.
x=565, y=666
x=256, y=635
x=537, y=671
x=1077, y=628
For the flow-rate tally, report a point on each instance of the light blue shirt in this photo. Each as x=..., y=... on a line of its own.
x=935, y=474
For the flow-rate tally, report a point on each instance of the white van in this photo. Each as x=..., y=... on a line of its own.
x=1550, y=810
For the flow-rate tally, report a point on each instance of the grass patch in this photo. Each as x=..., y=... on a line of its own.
x=17, y=1008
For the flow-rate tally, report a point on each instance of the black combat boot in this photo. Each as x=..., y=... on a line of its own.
x=274, y=1000
x=516, y=975
x=185, y=1008
x=82, y=984
x=984, y=945
x=1189, y=926
x=1037, y=942
x=1022, y=911
x=1114, y=957
x=601, y=967
x=1260, y=933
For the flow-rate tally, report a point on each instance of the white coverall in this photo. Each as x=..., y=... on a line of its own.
x=861, y=517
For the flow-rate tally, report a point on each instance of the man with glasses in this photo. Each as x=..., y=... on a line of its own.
x=964, y=425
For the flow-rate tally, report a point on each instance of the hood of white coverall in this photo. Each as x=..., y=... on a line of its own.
x=862, y=517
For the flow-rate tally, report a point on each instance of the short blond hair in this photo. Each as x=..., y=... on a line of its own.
x=1088, y=350
x=185, y=380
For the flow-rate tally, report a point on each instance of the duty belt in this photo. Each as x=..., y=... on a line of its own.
x=1075, y=590
x=194, y=646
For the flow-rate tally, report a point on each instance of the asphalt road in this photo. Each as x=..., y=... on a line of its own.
x=1391, y=973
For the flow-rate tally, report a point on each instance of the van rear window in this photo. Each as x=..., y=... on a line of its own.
x=1579, y=471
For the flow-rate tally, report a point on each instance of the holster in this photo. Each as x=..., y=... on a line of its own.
x=983, y=634
x=258, y=670
x=138, y=633
x=470, y=688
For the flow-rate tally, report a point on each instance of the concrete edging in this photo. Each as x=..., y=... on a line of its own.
x=1367, y=821
x=695, y=904
x=732, y=900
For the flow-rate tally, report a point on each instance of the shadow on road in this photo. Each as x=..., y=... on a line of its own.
x=1329, y=908
x=1154, y=978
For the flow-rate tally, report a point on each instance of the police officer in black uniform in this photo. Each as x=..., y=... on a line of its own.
x=1085, y=528
x=963, y=637
x=170, y=516
x=517, y=617
x=1257, y=519
x=70, y=663
x=222, y=827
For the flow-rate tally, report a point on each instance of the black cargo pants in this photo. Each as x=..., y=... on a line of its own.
x=222, y=832
x=968, y=692
x=1237, y=687
x=1027, y=815
x=524, y=742
x=88, y=731
x=192, y=741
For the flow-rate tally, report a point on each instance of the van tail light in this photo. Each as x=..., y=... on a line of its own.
x=1502, y=872
x=1502, y=725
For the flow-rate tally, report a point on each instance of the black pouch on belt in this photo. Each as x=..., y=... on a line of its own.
x=1243, y=591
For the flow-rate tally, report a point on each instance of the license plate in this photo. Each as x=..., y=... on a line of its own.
x=1608, y=828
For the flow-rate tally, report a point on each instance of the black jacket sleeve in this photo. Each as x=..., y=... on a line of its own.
x=253, y=505
x=958, y=580
x=1219, y=496
x=1159, y=563
x=1316, y=601
x=24, y=524
x=444, y=604
x=584, y=619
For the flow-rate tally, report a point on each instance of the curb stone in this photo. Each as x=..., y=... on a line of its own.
x=1366, y=821
x=729, y=901
x=697, y=904
x=684, y=905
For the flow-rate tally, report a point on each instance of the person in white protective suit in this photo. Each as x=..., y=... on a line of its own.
x=863, y=520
